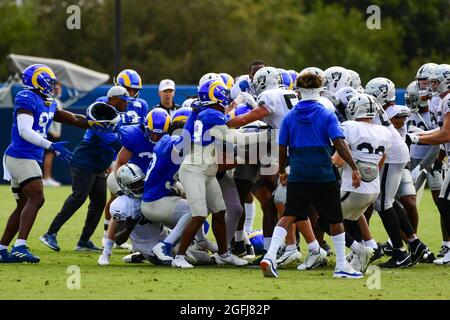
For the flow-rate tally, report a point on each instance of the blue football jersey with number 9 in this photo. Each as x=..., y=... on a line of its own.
x=43, y=117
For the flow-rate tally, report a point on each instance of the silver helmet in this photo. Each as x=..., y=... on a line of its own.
x=440, y=79
x=412, y=100
x=382, y=89
x=423, y=78
x=362, y=106
x=131, y=180
x=266, y=78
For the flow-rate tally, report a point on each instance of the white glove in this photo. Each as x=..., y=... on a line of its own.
x=414, y=129
x=412, y=138
x=247, y=98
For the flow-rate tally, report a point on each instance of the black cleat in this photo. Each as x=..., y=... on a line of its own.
x=417, y=249
x=387, y=248
x=239, y=249
x=250, y=250
x=327, y=248
x=378, y=253
x=400, y=259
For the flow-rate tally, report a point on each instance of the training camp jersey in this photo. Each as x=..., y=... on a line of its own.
x=236, y=89
x=435, y=107
x=123, y=208
x=399, y=152
x=135, y=140
x=445, y=107
x=278, y=102
x=367, y=142
x=43, y=117
x=135, y=108
x=422, y=121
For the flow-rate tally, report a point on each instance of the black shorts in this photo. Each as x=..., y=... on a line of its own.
x=324, y=197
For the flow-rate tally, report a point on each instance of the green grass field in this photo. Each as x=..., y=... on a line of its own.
x=47, y=280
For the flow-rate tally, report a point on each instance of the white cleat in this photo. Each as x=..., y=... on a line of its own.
x=361, y=260
x=269, y=267
x=103, y=260
x=229, y=259
x=160, y=252
x=289, y=257
x=205, y=245
x=313, y=261
x=347, y=273
x=445, y=261
x=124, y=246
x=181, y=263
x=135, y=257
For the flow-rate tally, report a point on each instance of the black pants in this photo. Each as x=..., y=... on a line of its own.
x=84, y=184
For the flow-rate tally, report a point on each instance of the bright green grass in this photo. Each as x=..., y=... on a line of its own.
x=47, y=280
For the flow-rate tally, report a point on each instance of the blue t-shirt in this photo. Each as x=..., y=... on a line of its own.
x=307, y=130
x=136, y=107
x=207, y=119
x=43, y=117
x=135, y=140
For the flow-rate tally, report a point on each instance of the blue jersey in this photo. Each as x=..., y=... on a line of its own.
x=43, y=117
x=207, y=119
x=136, y=107
x=134, y=139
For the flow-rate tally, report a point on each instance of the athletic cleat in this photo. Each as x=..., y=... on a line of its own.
x=443, y=251
x=327, y=248
x=289, y=256
x=103, y=260
x=181, y=263
x=347, y=273
x=269, y=267
x=198, y=257
x=257, y=261
x=239, y=249
x=87, y=246
x=281, y=251
x=443, y=261
x=377, y=254
x=4, y=256
x=417, y=250
x=162, y=252
x=124, y=246
x=387, y=248
x=205, y=245
x=400, y=259
x=313, y=261
x=349, y=257
x=361, y=259
x=50, y=241
x=21, y=254
x=250, y=252
x=229, y=259
x=135, y=257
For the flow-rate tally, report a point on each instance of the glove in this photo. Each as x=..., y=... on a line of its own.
x=246, y=98
x=411, y=138
x=414, y=129
x=244, y=85
x=61, y=152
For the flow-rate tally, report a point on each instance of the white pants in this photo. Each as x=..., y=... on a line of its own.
x=391, y=177
x=445, y=191
x=355, y=204
x=406, y=187
x=167, y=210
x=21, y=171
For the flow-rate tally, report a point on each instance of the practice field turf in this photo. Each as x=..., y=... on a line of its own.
x=48, y=279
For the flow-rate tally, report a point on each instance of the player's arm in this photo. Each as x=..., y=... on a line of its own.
x=282, y=154
x=382, y=160
x=25, y=121
x=337, y=160
x=123, y=157
x=124, y=229
x=439, y=137
x=257, y=113
x=70, y=118
x=225, y=134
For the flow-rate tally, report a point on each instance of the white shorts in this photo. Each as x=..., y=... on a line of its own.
x=167, y=210
x=391, y=177
x=202, y=191
x=355, y=204
x=21, y=171
x=445, y=191
x=279, y=195
x=434, y=181
x=250, y=172
x=111, y=183
x=406, y=187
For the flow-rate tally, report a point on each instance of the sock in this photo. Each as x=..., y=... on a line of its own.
x=339, y=248
x=349, y=240
x=290, y=247
x=391, y=223
x=279, y=233
x=267, y=243
x=107, y=249
x=356, y=247
x=371, y=244
x=105, y=225
x=444, y=210
x=314, y=247
x=249, y=210
x=226, y=254
x=239, y=235
x=2, y=247
x=444, y=243
x=180, y=256
x=413, y=238
x=405, y=225
x=178, y=230
x=20, y=242
x=246, y=240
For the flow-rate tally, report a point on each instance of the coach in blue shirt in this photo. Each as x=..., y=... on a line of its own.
x=307, y=132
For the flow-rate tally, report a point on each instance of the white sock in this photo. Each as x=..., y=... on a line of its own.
x=2, y=247
x=20, y=242
x=279, y=233
x=249, y=210
x=180, y=256
x=446, y=243
x=107, y=249
x=339, y=248
x=267, y=243
x=413, y=238
x=356, y=247
x=239, y=235
x=371, y=244
x=246, y=240
x=178, y=230
x=290, y=247
x=314, y=247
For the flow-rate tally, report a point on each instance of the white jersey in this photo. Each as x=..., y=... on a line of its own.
x=278, y=102
x=399, y=152
x=123, y=208
x=422, y=121
x=327, y=103
x=445, y=107
x=434, y=105
x=368, y=142
x=235, y=89
x=392, y=112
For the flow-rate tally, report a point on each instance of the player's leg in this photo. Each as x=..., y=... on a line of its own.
x=108, y=243
x=444, y=210
x=407, y=196
x=249, y=211
x=234, y=208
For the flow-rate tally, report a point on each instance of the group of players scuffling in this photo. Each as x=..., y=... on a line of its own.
x=343, y=152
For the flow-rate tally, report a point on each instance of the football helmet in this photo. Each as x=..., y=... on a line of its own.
x=209, y=76
x=131, y=180
x=286, y=79
x=362, y=106
x=214, y=92
x=356, y=81
x=345, y=94
x=440, y=79
x=337, y=78
x=294, y=75
x=382, y=89
x=257, y=241
x=41, y=78
x=412, y=97
x=422, y=77
x=158, y=123
x=227, y=79
x=181, y=114
x=129, y=79
x=102, y=116
x=266, y=78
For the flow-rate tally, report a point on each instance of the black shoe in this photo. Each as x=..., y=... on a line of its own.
x=281, y=251
x=417, y=250
x=400, y=259
x=239, y=249
x=250, y=250
x=378, y=253
x=257, y=261
x=443, y=251
x=327, y=248
x=387, y=248
x=428, y=257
